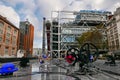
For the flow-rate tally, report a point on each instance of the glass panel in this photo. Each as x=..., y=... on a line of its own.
x=7, y=41
x=6, y=51
x=13, y=50
x=1, y=31
x=69, y=39
x=8, y=35
x=13, y=38
x=1, y=25
x=55, y=29
x=15, y=31
x=55, y=37
x=0, y=39
x=13, y=42
x=55, y=46
x=8, y=28
x=74, y=30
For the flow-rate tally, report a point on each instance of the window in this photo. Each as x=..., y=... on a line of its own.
x=117, y=44
x=116, y=36
x=55, y=29
x=112, y=37
x=7, y=41
x=55, y=37
x=9, y=28
x=13, y=42
x=8, y=35
x=1, y=25
x=55, y=46
x=15, y=31
x=13, y=50
x=66, y=31
x=115, y=29
x=0, y=39
x=13, y=38
x=111, y=31
x=6, y=51
x=113, y=45
x=1, y=31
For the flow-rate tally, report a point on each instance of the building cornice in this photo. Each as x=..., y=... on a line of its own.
x=8, y=22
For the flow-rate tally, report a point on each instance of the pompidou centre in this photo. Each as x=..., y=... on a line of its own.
x=66, y=26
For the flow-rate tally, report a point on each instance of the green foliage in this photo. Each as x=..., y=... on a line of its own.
x=94, y=36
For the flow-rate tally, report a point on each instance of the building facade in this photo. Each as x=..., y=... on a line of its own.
x=69, y=25
x=37, y=52
x=113, y=31
x=8, y=38
x=26, y=37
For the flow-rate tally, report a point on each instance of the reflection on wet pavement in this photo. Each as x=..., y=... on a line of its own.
x=53, y=72
x=33, y=72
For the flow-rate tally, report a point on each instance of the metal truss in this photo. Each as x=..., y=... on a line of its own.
x=71, y=27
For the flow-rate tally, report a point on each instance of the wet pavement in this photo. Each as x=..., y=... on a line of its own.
x=49, y=71
x=107, y=67
x=39, y=72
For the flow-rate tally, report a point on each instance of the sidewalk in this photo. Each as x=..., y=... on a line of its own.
x=109, y=68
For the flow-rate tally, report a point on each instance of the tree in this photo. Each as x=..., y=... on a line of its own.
x=95, y=36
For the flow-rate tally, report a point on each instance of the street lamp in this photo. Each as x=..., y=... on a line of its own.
x=43, y=42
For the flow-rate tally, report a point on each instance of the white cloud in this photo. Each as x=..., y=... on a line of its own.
x=115, y=6
x=47, y=6
x=27, y=11
x=38, y=43
x=10, y=14
x=108, y=5
x=33, y=20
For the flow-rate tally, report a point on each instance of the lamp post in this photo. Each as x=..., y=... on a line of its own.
x=43, y=42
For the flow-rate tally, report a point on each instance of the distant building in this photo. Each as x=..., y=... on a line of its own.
x=113, y=31
x=26, y=37
x=8, y=38
x=37, y=52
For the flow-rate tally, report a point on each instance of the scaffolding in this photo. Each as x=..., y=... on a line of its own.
x=67, y=26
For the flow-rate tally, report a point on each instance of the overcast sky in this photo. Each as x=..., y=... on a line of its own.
x=35, y=10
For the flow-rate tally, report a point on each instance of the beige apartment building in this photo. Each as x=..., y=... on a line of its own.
x=113, y=31
x=8, y=38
